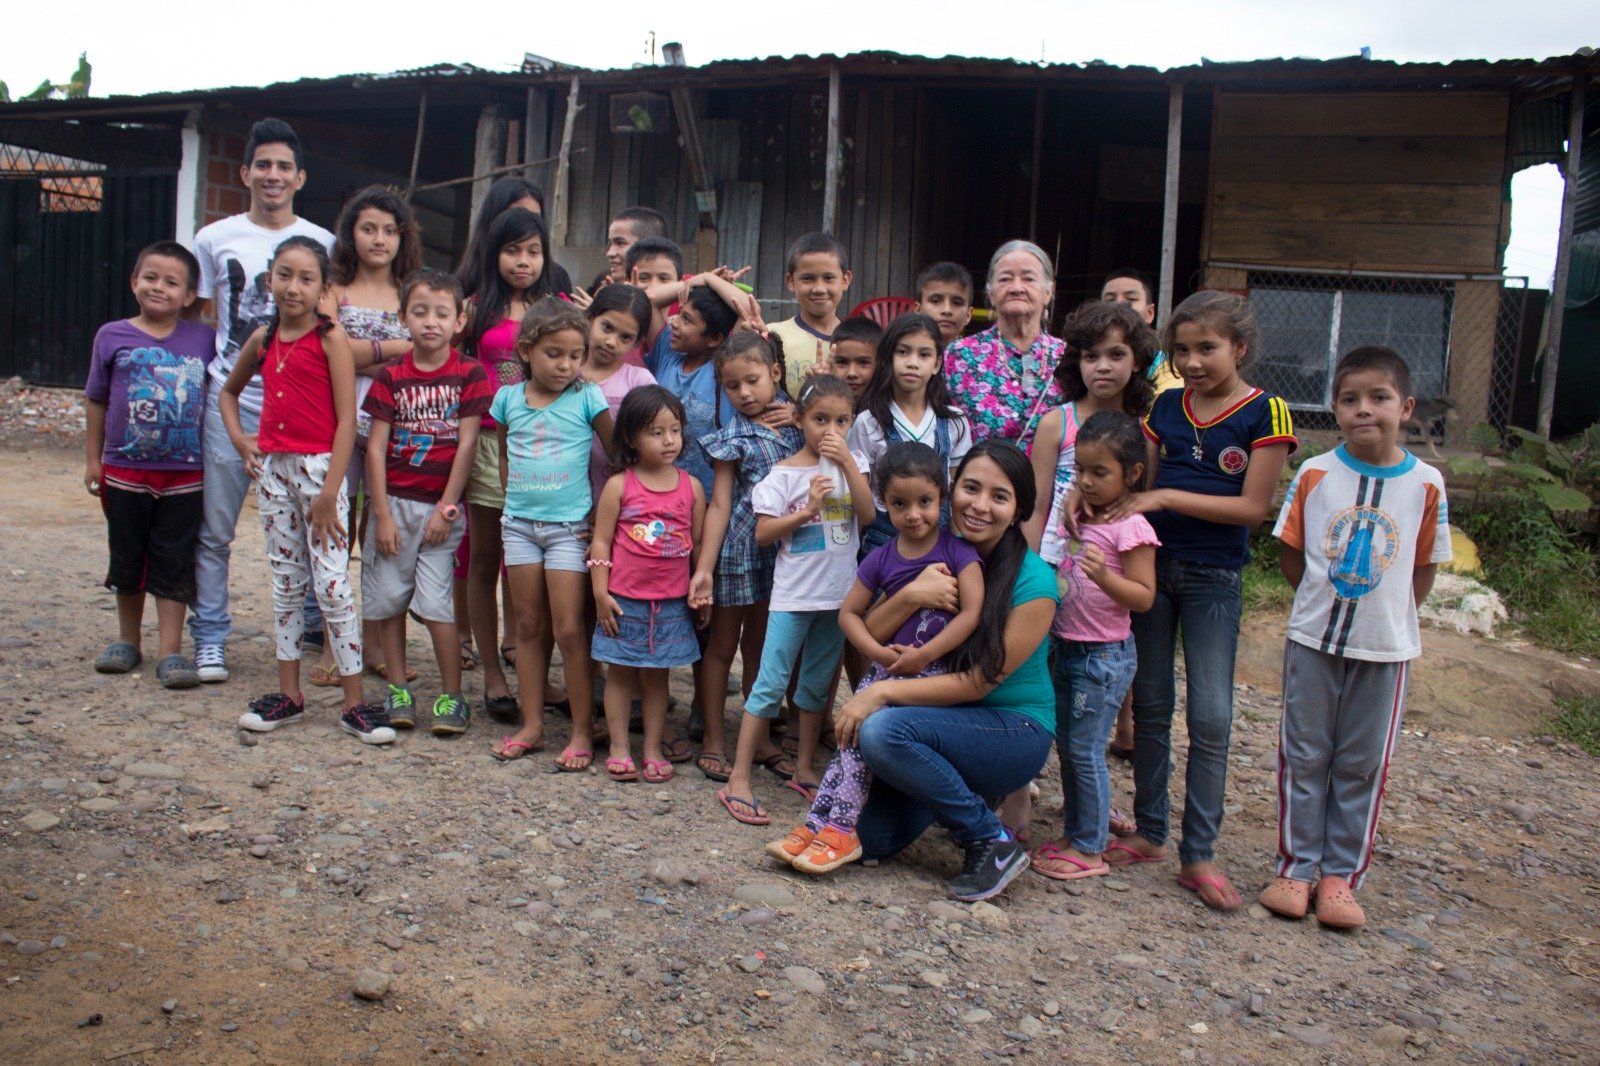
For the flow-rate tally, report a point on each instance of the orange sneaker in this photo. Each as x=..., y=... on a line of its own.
x=790, y=847
x=830, y=850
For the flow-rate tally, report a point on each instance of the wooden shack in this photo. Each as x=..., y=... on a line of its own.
x=1356, y=200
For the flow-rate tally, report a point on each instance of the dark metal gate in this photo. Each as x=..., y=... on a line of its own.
x=68, y=242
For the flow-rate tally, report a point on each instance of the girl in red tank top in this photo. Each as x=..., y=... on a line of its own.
x=298, y=460
x=646, y=533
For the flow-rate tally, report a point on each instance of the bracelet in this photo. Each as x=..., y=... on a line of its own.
x=377, y=352
x=592, y=563
x=448, y=511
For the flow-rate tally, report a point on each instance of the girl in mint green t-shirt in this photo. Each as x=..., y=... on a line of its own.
x=546, y=427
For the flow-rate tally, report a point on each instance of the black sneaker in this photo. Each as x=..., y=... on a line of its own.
x=271, y=711
x=990, y=867
x=503, y=709
x=450, y=715
x=368, y=721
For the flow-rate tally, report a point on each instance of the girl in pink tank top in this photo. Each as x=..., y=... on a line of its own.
x=646, y=532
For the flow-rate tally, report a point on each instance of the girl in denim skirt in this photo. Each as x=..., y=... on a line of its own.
x=646, y=532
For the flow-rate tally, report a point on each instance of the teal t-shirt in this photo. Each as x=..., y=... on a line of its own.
x=547, y=452
x=1028, y=690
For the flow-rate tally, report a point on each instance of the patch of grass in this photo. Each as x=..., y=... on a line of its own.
x=1264, y=586
x=1547, y=576
x=1578, y=720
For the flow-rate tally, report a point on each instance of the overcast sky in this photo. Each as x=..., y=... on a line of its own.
x=133, y=47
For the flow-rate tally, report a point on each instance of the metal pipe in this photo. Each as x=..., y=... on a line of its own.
x=830, y=166
x=1169, y=205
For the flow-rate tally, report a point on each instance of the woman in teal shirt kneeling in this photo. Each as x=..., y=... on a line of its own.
x=938, y=746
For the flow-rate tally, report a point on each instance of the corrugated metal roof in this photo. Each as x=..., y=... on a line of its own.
x=1528, y=75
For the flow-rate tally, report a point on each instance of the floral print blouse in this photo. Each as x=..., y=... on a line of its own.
x=1005, y=391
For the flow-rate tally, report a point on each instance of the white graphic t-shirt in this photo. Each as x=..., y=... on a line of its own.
x=1363, y=530
x=817, y=562
x=234, y=255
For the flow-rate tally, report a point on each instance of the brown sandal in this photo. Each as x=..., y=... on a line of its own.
x=1336, y=905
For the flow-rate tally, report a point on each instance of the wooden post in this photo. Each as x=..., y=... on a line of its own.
x=559, y=197
x=830, y=165
x=1169, y=204
x=705, y=193
x=1038, y=164
x=1558, y=289
x=535, y=132
x=416, y=148
x=485, y=153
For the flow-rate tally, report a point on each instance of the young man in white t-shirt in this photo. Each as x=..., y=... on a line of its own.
x=234, y=255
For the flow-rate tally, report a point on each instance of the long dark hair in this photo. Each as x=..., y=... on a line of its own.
x=407, y=257
x=501, y=195
x=879, y=393
x=493, y=295
x=984, y=653
x=320, y=254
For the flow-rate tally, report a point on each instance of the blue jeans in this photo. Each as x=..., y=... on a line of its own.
x=1205, y=602
x=1090, y=680
x=939, y=764
x=224, y=486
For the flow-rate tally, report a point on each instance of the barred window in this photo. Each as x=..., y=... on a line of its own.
x=1308, y=322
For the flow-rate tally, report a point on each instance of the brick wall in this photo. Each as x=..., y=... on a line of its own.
x=222, y=194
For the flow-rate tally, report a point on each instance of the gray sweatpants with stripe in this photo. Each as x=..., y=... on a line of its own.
x=1341, y=718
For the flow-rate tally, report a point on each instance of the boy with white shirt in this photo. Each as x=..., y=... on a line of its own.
x=234, y=255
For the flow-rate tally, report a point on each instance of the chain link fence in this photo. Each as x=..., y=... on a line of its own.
x=1460, y=336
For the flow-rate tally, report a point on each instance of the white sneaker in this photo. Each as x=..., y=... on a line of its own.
x=210, y=663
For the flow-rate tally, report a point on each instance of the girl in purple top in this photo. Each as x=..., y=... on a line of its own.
x=910, y=480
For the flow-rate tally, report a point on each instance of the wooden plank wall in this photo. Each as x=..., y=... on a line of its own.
x=926, y=173
x=1368, y=181
x=765, y=152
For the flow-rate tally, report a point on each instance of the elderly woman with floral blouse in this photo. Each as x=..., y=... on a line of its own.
x=1005, y=376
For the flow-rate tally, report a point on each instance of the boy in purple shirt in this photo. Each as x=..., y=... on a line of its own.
x=144, y=404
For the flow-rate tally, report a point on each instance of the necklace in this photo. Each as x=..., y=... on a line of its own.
x=1199, y=451
x=280, y=353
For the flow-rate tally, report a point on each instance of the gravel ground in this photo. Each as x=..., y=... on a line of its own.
x=171, y=891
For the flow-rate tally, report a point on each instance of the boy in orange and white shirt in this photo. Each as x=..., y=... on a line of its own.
x=1363, y=529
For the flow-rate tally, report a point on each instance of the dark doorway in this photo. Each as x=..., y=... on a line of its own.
x=70, y=239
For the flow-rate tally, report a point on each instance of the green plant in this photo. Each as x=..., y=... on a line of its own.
x=1484, y=438
x=1578, y=720
x=1563, y=476
x=1546, y=575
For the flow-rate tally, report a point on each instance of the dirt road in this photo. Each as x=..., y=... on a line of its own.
x=207, y=900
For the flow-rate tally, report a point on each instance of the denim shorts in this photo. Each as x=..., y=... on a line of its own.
x=651, y=635
x=553, y=545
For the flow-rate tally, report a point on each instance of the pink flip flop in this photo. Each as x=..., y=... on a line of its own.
x=658, y=771
x=1050, y=854
x=622, y=770
x=1228, y=897
x=1134, y=855
x=569, y=753
x=512, y=749
x=808, y=791
x=756, y=815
